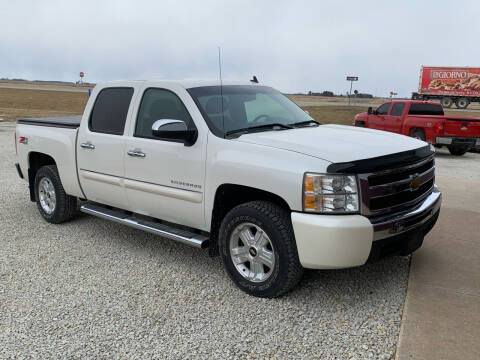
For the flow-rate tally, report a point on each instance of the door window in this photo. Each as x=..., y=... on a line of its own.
x=110, y=110
x=160, y=104
x=397, y=109
x=383, y=109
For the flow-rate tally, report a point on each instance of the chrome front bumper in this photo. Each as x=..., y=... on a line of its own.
x=403, y=222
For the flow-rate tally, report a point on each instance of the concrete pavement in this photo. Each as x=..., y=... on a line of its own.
x=442, y=310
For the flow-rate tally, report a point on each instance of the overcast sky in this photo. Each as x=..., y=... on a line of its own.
x=294, y=45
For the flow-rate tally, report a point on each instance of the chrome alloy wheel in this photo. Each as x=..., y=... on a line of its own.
x=46, y=195
x=252, y=252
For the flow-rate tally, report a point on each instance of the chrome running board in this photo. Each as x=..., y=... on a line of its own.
x=169, y=232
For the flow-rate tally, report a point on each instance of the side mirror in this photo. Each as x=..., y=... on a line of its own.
x=174, y=130
x=370, y=110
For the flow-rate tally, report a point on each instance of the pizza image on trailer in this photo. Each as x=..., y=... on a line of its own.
x=451, y=81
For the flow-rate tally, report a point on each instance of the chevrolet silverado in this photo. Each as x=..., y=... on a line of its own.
x=238, y=168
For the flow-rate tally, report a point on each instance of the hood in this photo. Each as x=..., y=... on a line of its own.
x=362, y=115
x=335, y=143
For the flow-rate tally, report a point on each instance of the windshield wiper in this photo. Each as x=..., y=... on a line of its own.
x=258, y=127
x=308, y=122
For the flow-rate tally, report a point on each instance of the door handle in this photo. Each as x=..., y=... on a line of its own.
x=136, y=153
x=87, y=145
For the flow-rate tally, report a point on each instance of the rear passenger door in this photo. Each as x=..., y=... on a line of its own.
x=101, y=147
x=393, y=121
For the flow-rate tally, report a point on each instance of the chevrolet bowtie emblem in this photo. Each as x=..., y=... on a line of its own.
x=415, y=182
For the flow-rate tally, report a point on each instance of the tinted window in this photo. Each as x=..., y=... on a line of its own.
x=383, y=109
x=110, y=110
x=425, y=109
x=160, y=104
x=397, y=109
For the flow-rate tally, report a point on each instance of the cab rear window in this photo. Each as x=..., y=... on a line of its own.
x=425, y=109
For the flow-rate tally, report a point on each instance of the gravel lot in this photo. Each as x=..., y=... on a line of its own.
x=94, y=289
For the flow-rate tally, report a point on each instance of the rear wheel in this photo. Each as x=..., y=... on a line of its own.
x=258, y=249
x=418, y=134
x=458, y=150
x=462, y=103
x=53, y=203
x=446, y=102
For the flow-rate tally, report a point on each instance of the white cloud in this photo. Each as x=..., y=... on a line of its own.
x=292, y=45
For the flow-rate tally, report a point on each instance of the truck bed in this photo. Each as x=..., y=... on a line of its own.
x=72, y=122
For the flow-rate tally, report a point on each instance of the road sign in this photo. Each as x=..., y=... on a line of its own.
x=351, y=79
x=82, y=74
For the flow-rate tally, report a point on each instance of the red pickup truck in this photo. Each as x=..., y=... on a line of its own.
x=426, y=121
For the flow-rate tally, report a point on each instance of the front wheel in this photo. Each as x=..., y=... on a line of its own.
x=54, y=204
x=258, y=249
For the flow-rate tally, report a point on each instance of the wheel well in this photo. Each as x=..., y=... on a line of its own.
x=35, y=161
x=360, y=123
x=413, y=129
x=230, y=195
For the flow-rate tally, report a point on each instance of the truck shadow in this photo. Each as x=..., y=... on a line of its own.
x=352, y=287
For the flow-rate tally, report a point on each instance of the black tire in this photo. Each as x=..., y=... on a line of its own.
x=276, y=223
x=65, y=205
x=462, y=103
x=458, y=150
x=446, y=102
x=418, y=134
x=360, y=124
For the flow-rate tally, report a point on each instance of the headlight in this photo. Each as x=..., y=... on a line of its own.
x=327, y=193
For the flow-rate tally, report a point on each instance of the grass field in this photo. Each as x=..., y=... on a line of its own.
x=342, y=115
x=334, y=99
x=18, y=103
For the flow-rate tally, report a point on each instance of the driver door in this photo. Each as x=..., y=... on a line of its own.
x=164, y=179
x=393, y=121
x=377, y=119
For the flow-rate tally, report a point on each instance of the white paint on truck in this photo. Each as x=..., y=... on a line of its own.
x=177, y=180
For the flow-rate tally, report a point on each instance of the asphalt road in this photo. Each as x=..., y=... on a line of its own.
x=91, y=288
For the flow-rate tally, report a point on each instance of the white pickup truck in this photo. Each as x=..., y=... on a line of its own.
x=238, y=168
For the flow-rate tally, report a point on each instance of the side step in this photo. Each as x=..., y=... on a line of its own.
x=169, y=232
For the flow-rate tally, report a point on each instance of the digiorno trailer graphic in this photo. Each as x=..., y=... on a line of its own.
x=450, y=81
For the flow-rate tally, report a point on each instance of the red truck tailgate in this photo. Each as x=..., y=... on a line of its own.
x=462, y=127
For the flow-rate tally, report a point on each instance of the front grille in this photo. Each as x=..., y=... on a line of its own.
x=397, y=189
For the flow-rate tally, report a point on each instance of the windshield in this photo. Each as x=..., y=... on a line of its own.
x=247, y=107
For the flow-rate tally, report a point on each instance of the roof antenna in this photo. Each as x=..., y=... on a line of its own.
x=221, y=88
x=254, y=79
